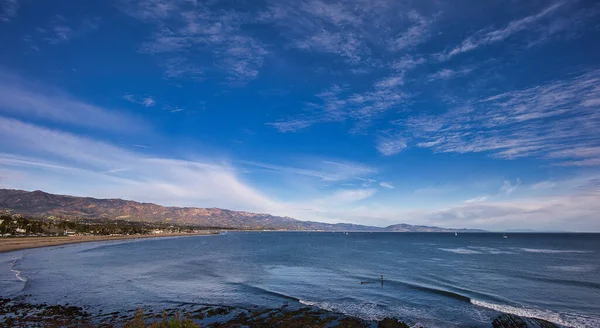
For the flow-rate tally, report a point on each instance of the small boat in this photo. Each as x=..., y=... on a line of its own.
x=504, y=236
x=456, y=234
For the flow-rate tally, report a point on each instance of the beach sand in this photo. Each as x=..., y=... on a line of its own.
x=8, y=244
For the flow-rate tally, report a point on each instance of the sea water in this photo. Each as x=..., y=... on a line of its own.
x=435, y=279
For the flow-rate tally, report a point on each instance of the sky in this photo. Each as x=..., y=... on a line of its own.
x=466, y=114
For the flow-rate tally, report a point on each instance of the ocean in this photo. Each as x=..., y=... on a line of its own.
x=434, y=279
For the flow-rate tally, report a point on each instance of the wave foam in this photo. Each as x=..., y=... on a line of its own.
x=307, y=303
x=17, y=272
x=568, y=320
x=573, y=268
x=490, y=250
x=552, y=251
x=460, y=250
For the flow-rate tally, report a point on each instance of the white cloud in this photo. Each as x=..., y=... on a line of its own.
x=544, y=185
x=483, y=37
x=435, y=190
x=390, y=82
x=60, y=30
x=184, y=29
x=508, y=187
x=478, y=199
x=553, y=120
x=389, y=145
x=356, y=31
x=351, y=195
x=58, y=162
x=148, y=102
x=414, y=35
x=407, y=63
x=574, y=213
x=322, y=170
x=55, y=161
x=292, y=125
x=9, y=9
x=386, y=185
x=337, y=105
x=30, y=100
x=447, y=73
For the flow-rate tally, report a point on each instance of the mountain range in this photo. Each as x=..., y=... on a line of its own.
x=39, y=203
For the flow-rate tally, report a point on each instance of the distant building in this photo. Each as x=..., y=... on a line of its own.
x=69, y=233
x=20, y=230
x=156, y=231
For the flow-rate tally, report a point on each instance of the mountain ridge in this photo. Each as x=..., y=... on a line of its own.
x=41, y=203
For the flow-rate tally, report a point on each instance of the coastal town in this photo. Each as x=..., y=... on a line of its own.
x=20, y=225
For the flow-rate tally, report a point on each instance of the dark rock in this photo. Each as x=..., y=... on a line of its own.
x=512, y=321
x=391, y=323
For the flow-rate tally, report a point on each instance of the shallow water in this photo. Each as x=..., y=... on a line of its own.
x=438, y=280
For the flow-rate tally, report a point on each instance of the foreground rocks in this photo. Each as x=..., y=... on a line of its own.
x=19, y=314
x=513, y=321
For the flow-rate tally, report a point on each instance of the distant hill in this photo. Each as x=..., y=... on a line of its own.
x=40, y=203
x=403, y=227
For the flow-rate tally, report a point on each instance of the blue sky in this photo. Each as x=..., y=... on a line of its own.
x=451, y=113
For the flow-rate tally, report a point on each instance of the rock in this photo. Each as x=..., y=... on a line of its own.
x=512, y=321
x=391, y=323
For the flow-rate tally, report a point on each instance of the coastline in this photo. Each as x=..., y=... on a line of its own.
x=9, y=244
x=21, y=314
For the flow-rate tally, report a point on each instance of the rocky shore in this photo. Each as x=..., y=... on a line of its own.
x=14, y=313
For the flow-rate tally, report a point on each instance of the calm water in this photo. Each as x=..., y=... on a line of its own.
x=439, y=280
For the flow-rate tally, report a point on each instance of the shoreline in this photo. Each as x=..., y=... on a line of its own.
x=10, y=244
x=18, y=313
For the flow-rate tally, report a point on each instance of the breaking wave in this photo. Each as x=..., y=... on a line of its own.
x=568, y=320
x=460, y=250
x=17, y=273
x=552, y=251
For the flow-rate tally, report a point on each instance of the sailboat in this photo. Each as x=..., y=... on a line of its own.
x=455, y=234
x=505, y=236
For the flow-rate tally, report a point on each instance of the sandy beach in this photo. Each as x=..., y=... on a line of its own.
x=14, y=244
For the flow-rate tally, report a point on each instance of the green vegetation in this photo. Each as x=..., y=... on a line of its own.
x=177, y=321
x=22, y=225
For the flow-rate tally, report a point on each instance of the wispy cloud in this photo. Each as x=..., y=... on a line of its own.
x=478, y=199
x=337, y=104
x=386, y=185
x=30, y=100
x=355, y=31
x=388, y=145
x=414, y=35
x=351, y=195
x=509, y=187
x=146, y=101
x=544, y=185
x=575, y=209
x=183, y=28
x=448, y=73
x=322, y=170
x=9, y=9
x=485, y=37
x=319, y=26
x=436, y=190
x=61, y=30
x=407, y=63
x=556, y=120
x=53, y=160
x=573, y=213
x=178, y=66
